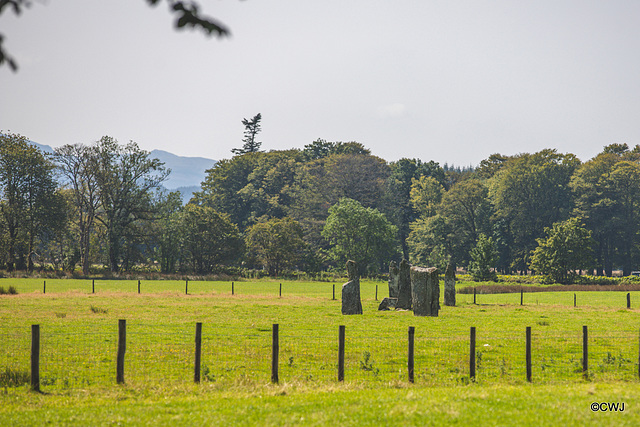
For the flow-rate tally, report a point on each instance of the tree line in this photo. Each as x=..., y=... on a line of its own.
x=311, y=209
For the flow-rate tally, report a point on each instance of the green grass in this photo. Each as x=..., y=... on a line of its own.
x=269, y=405
x=79, y=341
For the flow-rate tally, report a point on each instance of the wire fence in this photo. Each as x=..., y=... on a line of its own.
x=166, y=354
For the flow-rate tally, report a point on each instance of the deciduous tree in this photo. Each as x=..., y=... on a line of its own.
x=361, y=234
x=210, y=238
x=277, y=244
x=565, y=248
x=27, y=198
x=126, y=178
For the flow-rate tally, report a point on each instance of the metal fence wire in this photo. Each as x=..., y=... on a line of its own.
x=71, y=359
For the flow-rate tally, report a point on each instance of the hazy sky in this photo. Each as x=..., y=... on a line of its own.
x=450, y=81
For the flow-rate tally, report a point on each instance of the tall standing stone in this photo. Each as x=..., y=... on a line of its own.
x=393, y=279
x=450, y=286
x=425, y=291
x=351, y=303
x=404, y=286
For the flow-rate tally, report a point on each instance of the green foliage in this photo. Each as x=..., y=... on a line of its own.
x=321, y=148
x=126, y=177
x=361, y=234
x=77, y=166
x=29, y=203
x=565, y=249
x=209, y=238
x=398, y=207
x=531, y=192
x=467, y=210
x=251, y=186
x=429, y=242
x=462, y=214
x=607, y=191
x=484, y=257
x=166, y=231
x=276, y=243
x=426, y=193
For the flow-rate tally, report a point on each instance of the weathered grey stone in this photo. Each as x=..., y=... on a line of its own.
x=351, y=303
x=425, y=291
x=388, y=304
x=404, y=286
x=393, y=279
x=450, y=286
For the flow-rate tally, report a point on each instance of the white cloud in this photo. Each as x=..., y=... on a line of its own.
x=391, y=110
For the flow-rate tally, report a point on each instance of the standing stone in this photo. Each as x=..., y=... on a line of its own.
x=425, y=291
x=450, y=286
x=388, y=304
x=393, y=279
x=404, y=286
x=351, y=303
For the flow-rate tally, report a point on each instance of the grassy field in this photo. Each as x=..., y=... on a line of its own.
x=79, y=341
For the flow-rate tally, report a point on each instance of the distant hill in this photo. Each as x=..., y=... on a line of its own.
x=44, y=148
x=186, y=172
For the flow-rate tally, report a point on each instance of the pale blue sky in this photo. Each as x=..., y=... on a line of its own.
x=450, y=81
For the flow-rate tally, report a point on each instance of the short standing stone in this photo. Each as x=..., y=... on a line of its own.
x=388, y=304
x=404, y=286
x=393, y=279
x=351, y=303
x=425, y=291
x=450, y=286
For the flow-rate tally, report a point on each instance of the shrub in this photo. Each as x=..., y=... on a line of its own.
x=484, y=256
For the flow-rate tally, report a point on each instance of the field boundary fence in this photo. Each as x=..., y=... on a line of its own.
x=136, y=353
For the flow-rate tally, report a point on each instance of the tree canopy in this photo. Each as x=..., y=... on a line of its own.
x=311, y=209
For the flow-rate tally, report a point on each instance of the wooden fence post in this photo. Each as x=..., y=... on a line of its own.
x=574, y=300
x=585, y=352
x=93, y=286
x=341, y=336
x=334, y=292
x=376, y=292
x=472, y=354
x=275, y=352
x=628, y=300
x=186, y=287
x=35, y=357
x=196, y=367
x=280, y=294
x=232, y=290
x=521, y=297
x=44, y=287
x=138, y=286
x=412, y=332
x=122, y=347
x=474, y=295
x=528, y=353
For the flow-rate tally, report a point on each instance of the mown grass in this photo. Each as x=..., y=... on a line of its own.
x=79, y=341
